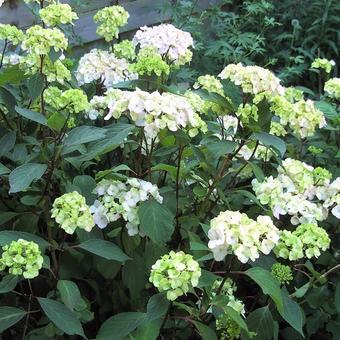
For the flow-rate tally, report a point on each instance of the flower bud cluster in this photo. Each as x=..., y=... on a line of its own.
x=282, y=273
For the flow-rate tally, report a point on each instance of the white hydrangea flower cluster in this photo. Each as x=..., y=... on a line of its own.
x=252, y=79
x=103, y=66
x=170, y=42
x=153, y=111
x=232, y=232
x=301, y=191
x=117, y=200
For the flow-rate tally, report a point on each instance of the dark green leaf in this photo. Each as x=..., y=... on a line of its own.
x=31, y=115
x=261, y=322
x=337, y=298
x=105, y=249
x=7, y=236
x=8, y=283
x=149, y=330
x=22, y=177
x=4, y=170
x=84, y=134
x=35, y=85
x=69, y=293
x=156, y=221
x=11, y=75
x=61, y=316
x=56, y=121
x=157, y=307
x=120, y=325
x=268, y=284
x=7, y=98
x=205, y=331
x=10, y=316
x=86, y=184
x=271, y=141
x=292, y=312
x=7, y=143
x=6, y=216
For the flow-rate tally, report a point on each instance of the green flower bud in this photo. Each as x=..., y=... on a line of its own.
x=314, y=150
x=282, y=273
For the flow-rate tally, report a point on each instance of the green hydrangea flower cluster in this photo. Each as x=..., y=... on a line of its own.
x=282, y=273
x=209, y=83
x=110, y=19
x=323, y=64
x=40, y=40
x=54, y=71
x=22, y=257
x=306, y=241
x=332, y=88
x=175, y=274
x=213, y=85
x=57, y=14
x=11, y=33
x=228, y=328
x=125, y=49
x=277, y=129
x=150, y=62
x=293, y=94
x=71, y=212
x=314, y=150
x=247, y=113
x=321, y=176
x=72, y=100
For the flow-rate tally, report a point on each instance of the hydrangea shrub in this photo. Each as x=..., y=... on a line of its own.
x=136, y=205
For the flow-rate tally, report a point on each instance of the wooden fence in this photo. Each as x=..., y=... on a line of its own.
x=142, y=12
